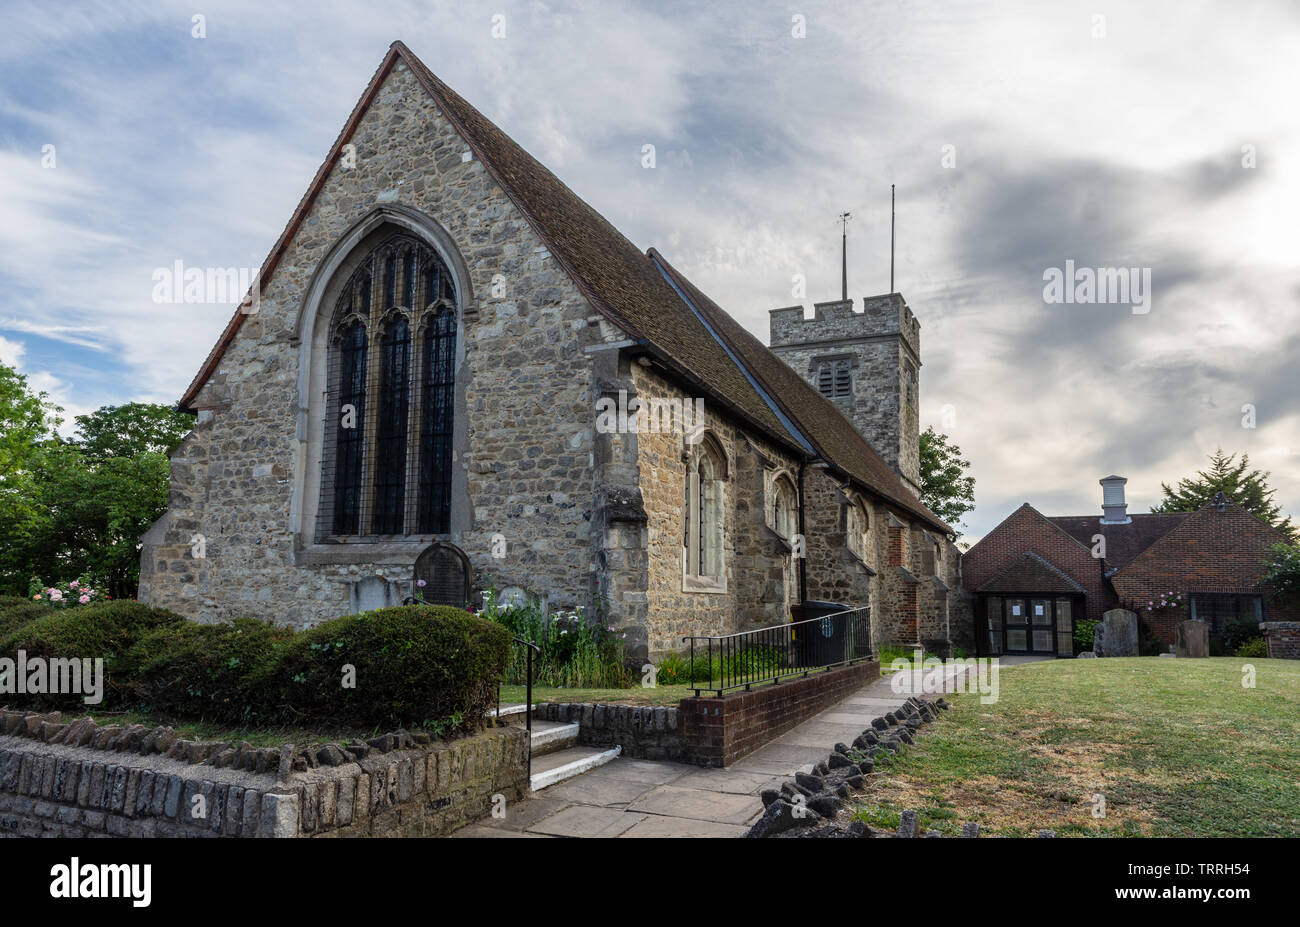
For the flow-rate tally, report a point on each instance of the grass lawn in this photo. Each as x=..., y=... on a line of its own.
x=1177, y=747
x=209, y=731
x=634, y=695
x=661, y=695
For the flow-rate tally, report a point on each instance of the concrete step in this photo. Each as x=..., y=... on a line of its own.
x=551, y=736
x=554, y=768
x=510, y=713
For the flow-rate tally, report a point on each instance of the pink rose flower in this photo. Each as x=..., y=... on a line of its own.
x=84, y=599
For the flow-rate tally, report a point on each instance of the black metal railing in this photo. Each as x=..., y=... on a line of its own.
x=768, y=655
x=531, y=648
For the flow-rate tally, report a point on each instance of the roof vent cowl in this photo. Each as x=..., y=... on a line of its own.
x=1113, y=507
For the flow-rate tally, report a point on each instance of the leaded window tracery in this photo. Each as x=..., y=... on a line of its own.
x=387, y=456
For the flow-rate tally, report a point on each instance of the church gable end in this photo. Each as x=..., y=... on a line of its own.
x=510, y=439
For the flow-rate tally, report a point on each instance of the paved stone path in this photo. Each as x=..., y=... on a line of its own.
x=655, y=798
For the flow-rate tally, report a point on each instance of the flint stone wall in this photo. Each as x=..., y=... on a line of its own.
x=644, y=732
x=58, y=789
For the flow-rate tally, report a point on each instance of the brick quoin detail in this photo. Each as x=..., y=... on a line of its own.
x=895, y=547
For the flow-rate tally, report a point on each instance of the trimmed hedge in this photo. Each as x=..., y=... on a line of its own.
x=15, y=612
x=202, y=670
x=414, y=665
x=105, y=631
x=417, y=665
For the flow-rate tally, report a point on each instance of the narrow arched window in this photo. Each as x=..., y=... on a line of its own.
x=390, y=440
x=856, y=523
x=705, y=512
x=784, y=508
x=350, y=412
x=439, y=353
x=387, y=454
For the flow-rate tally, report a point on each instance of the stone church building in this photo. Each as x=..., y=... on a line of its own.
x=421, y=390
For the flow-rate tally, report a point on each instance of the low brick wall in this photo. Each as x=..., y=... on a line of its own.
x=719, y=731
x=643, y=732
x=410, y=789
x=1283, y=639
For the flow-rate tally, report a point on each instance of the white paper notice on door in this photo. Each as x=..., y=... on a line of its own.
x=1038, y=609
x=1015, y=609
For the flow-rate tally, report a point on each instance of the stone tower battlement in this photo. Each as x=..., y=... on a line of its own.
x=866, y=362
x=880, y=315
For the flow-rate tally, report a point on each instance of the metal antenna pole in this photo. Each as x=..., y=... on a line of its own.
x=844, y=255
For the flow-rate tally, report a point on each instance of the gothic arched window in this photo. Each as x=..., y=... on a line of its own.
x=784, y=507
x=704, y=509
x=856, y=523
x=387, y=461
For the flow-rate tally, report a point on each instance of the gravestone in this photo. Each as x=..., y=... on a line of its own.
x=444, y=569
x=1192, y=639
x=1117, y=635
x=369, y=594
x=511, y=596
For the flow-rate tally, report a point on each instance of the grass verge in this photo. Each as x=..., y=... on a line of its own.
x=1175, y=748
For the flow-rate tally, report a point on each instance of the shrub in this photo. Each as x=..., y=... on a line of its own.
x=16, y=612
x=1085, y=630
x=205, y=670
x=77, y=592
x=104, y=631
x=1253, y=647
x=414, y=665
x=1231, y=634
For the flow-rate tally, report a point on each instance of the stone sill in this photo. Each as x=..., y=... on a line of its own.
x=403, y=552
x=707, y=585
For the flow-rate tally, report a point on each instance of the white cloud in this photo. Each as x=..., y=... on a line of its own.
x=175, y=148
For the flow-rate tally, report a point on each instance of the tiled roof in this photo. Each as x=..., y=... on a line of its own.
x=1208, y=551
x=832, y=435
x=626, y=285
x=1032, y=573
x=1123, y=542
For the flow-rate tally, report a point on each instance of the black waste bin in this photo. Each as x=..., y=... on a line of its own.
x=820, y=643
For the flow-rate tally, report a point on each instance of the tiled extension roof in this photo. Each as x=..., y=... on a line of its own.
x=1032, y=573
x=1123, y=542
x=626, y=286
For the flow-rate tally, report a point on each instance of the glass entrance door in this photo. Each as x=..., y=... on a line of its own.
x=1042, y=627
x=1030, y=625
x=1016, y=622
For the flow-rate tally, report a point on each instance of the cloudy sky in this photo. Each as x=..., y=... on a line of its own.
x=1107, y=134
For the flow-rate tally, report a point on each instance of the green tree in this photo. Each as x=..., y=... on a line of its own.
x=1235, y=479
x=27, y=423
x=78, y=508
x=1282, y=575
x=97, y=513
x=26, y=419
x=946, y=489
x=131, y=429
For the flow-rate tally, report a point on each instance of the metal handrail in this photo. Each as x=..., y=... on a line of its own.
x=766, y=655
x=528, y=696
